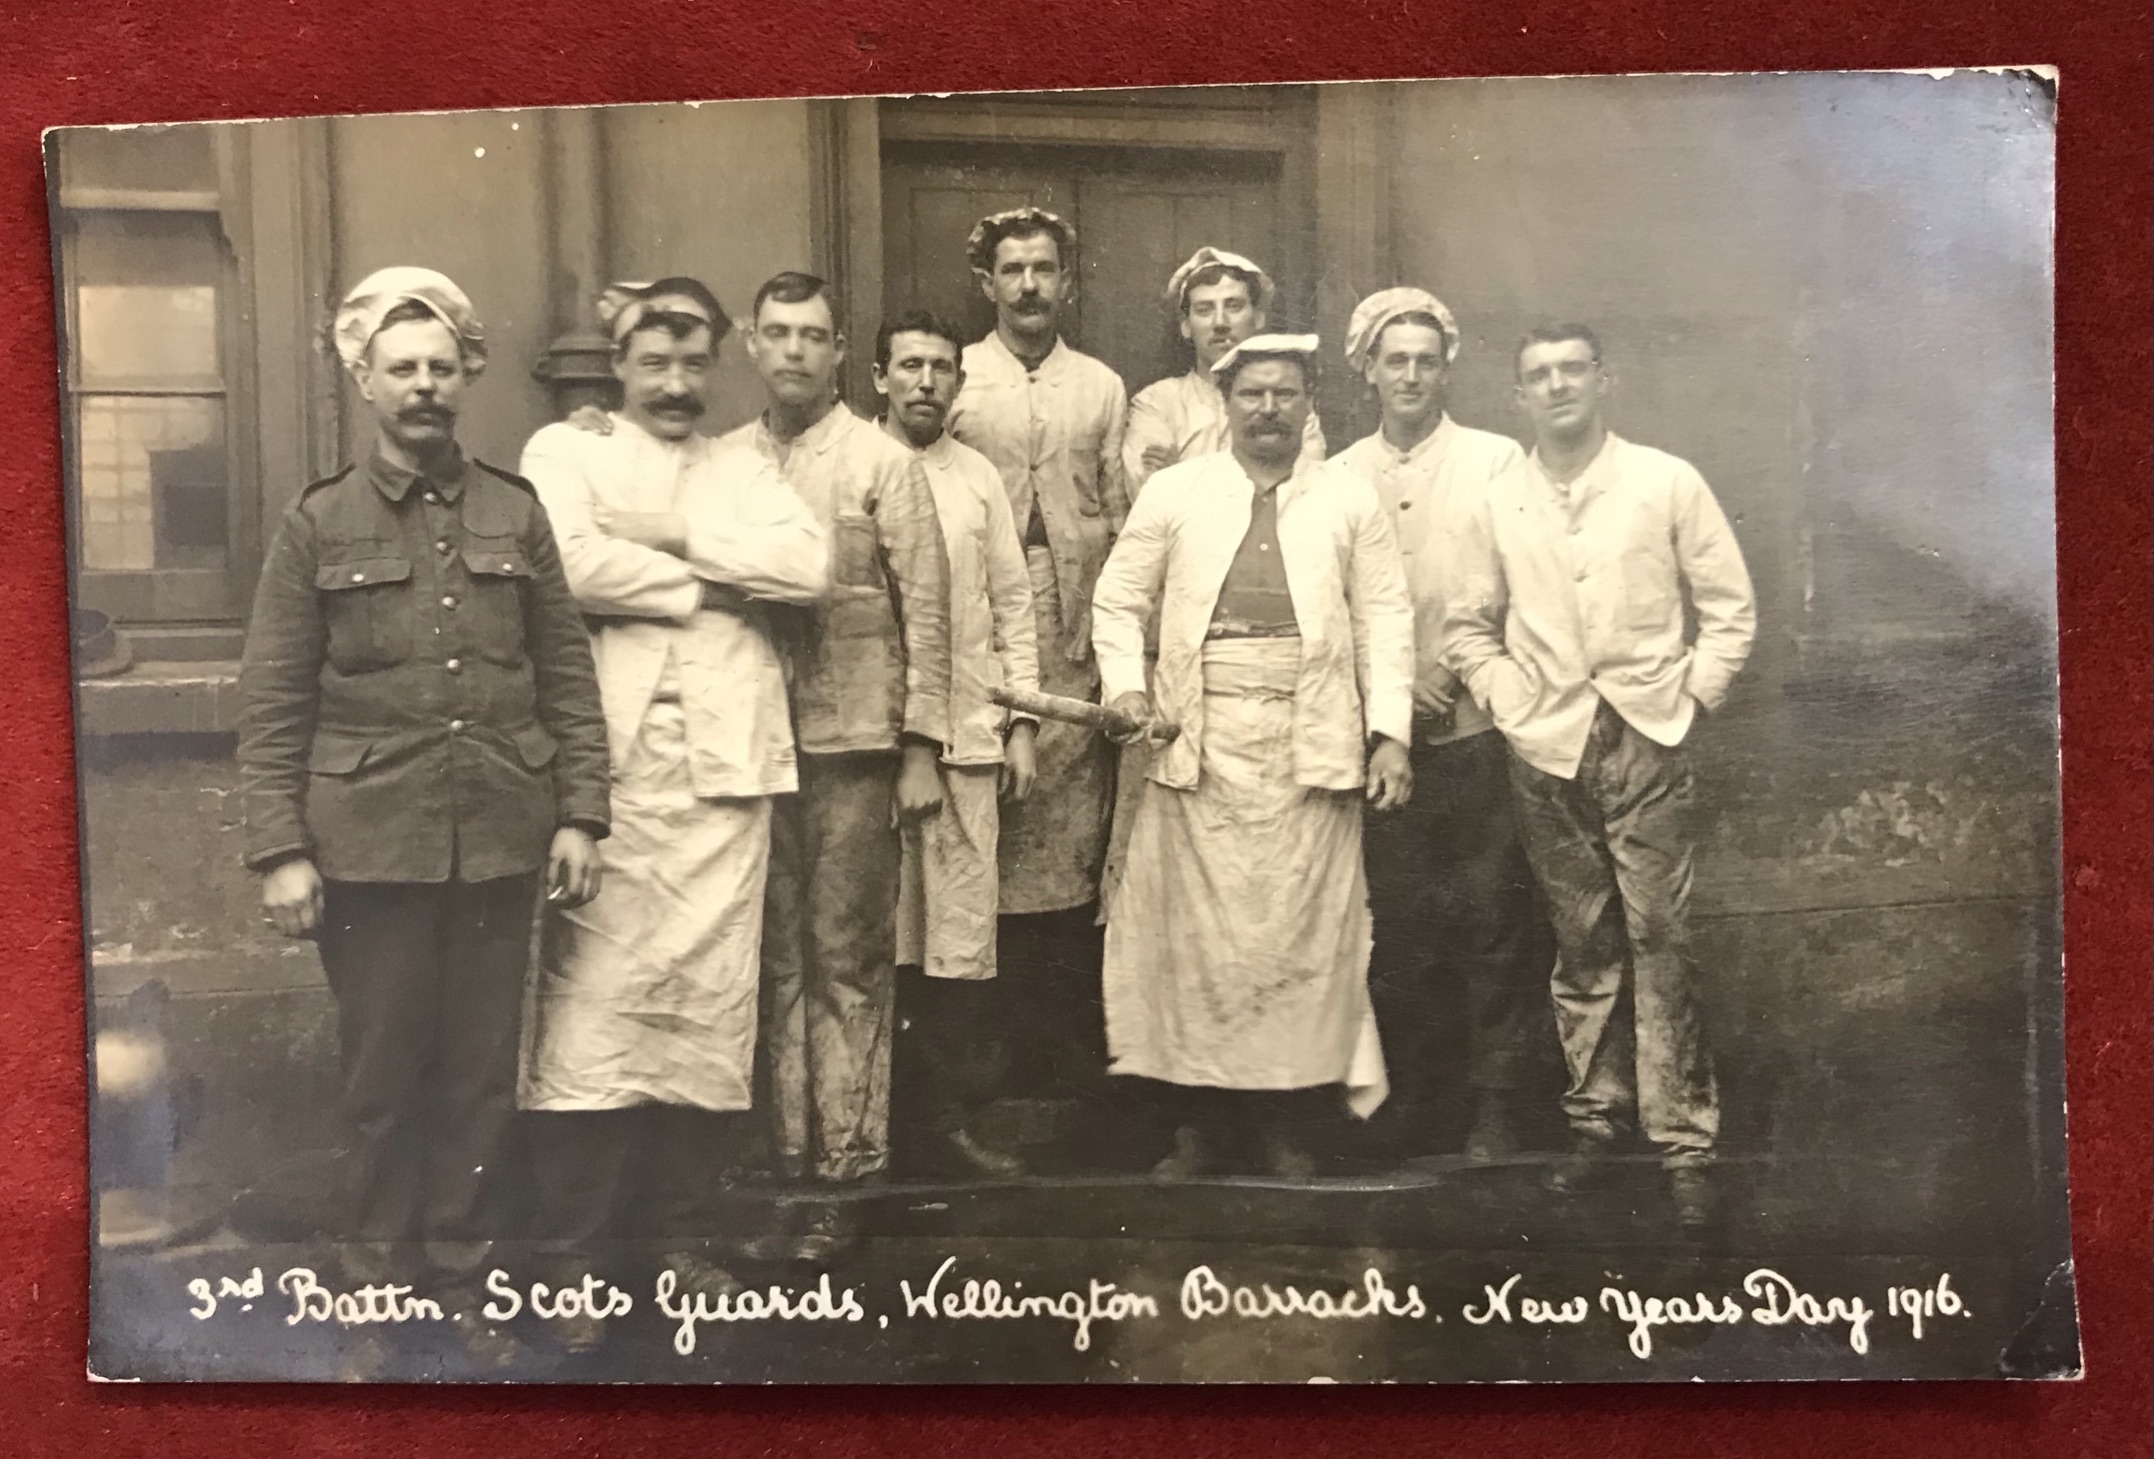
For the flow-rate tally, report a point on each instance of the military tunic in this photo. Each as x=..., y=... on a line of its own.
x=419, y=716
x=417, y=690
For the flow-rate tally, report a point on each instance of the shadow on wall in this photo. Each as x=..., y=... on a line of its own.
x=1932, y=364
x=1832, y=293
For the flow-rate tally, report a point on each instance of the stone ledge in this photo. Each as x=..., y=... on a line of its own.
x=163, y=698
x=117, y=970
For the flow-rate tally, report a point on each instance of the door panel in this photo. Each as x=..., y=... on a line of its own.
x=1139, y=227
x=1138, y=213
x=930, y=207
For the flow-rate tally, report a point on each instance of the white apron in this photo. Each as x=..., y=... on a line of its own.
x=946, y=881
x=1238, y=949
x=647, y=993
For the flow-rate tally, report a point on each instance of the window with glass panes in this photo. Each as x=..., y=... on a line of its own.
x=147, y=284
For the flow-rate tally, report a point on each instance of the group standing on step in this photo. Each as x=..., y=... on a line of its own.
x=1397, y=781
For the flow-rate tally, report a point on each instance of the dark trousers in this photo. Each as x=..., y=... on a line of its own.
x=1458, y=974
x=1048, y=969
x=610, y=1173
x=1614, y=849
x=429, y=984
x=1234, y=1120
x=951, y=1052
x=829, y=964
x=1055, y=1024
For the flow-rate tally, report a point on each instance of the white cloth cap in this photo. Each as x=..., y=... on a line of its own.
x=359, y=317
x=621, y=307
x=1204, y=258
x=979, y=252
x=1379, y=309
x=1302, y=345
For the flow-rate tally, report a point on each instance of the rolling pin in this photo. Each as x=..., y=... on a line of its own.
x=1078, y=711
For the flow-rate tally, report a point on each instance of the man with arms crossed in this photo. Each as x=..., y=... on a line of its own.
x=948, y=1035
x=642, y=1049
x=1458, y=935
x=1238, y=954
x=420, y=737
x=1567, y=625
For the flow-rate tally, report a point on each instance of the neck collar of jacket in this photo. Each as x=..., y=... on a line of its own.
x=395, y=482
x=1287, y=484
x=1052, y=358
x=1587, y=481
x=817, y=438
x=938, y=451
x=1424, y=448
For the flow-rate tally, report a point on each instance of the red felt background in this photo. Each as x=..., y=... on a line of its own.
x=76, y=61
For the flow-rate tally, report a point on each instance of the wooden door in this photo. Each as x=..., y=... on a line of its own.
x=931, y=200
x=1138, y=211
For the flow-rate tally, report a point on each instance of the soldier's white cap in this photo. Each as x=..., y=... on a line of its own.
x=359, y=317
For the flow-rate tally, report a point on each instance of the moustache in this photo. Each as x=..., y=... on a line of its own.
x=686, y=405
x=426, y=414
x=1033, y=304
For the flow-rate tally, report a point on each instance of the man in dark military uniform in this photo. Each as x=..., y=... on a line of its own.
x=420, y=738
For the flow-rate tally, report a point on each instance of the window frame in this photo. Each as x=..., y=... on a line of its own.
x=152, y=597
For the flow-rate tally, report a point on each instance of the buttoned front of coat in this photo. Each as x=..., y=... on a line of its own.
x=418, y=700
x=1055, y=434
x=1350, y=603
x=1571, y=595
x=992, y=640
x=1431, y=493
x=876, y=663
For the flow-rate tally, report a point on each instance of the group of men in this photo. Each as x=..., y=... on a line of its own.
x=1028, y=733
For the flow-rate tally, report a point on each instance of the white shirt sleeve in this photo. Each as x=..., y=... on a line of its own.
x=1710, y=561
x=746, y=527
x=609, y=577
x=1128, y=587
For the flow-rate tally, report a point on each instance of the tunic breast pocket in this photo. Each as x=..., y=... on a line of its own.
x=500, y=577
x=366, y=604
x=854, y=559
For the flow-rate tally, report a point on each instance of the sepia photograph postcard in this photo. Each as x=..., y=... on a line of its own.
x=1345, y=733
